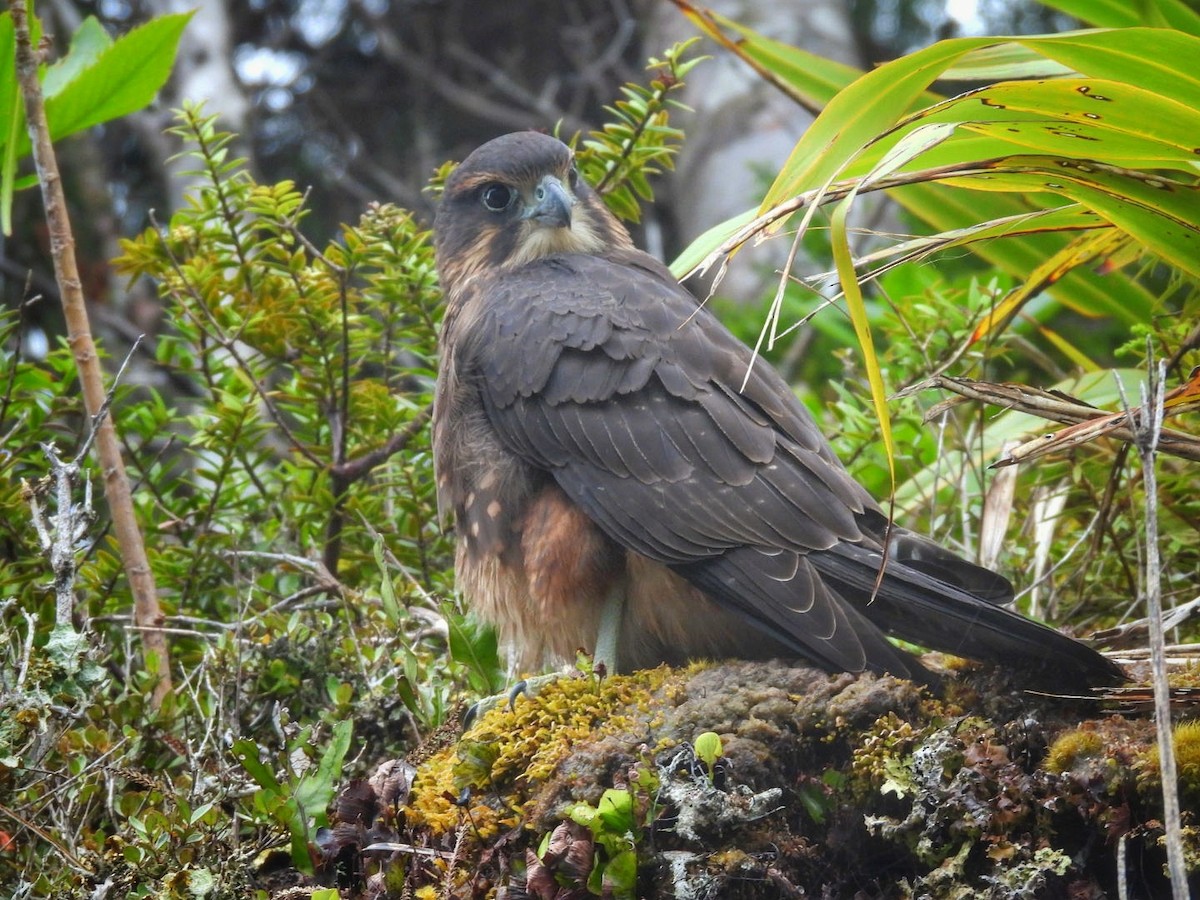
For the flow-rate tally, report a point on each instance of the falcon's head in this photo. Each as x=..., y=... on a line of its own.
x=516, y=199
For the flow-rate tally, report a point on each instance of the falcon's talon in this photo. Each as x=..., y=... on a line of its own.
x=521, y=687
x=527, y=687
x=623, y=479
x=474, y=713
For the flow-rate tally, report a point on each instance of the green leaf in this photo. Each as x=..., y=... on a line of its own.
x=1091, y=117
x=583, y=814
x=246, y=753
x=316, y=787
x=97, y=81
x=814, y=801
x=857, y=308
x=620, y=876
x=947, y=209
x=1161, y=214
x=699, y=249
x=615, y=811
x=809, y=79
x=87, y=43
x=13, y=108
x=1156, y=59
x=870, y=106
x=1001, y=61
x=708, y=748
x=1093, y=244
x=387, y=593
x=10, y=95
x=857, y=115
x=125, y=77
x=298, y=828
x=1126, y=13
x=475, y=645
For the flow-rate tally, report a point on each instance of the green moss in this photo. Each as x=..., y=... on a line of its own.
x=1186, y=741
x=511, y=751
x=1071, y=748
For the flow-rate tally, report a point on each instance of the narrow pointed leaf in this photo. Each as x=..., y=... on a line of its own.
x=1163, y=215
x=856, y=306
x=947, y=208
x=879, y=99
x=809, y=79
x=1095, y=244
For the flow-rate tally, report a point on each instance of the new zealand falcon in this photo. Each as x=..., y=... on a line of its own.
x=610, y=474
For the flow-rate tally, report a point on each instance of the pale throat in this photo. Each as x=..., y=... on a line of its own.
x=538, y=241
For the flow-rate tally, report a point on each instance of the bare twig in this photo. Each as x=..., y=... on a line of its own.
x=1179, y=655
x=1146, y=425
x=70, y=858
x=147, y=612
x=1057, y=407
x=1138, y=631
x=361, y=466
x=27, y=649
x=1123, y=868
x=1185, y=398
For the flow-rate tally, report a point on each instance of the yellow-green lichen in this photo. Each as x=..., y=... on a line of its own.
x=881, y=753
x=500, y=761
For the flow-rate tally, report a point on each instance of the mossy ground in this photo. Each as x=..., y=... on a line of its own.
x=828, y=785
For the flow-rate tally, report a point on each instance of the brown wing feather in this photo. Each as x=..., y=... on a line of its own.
x=589, y=402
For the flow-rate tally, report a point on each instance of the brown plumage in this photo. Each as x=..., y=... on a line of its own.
x=593, y=439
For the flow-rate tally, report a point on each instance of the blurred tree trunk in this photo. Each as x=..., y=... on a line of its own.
x=203, y=73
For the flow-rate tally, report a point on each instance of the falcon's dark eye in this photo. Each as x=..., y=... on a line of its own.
x=573, y=177
x=496, y=197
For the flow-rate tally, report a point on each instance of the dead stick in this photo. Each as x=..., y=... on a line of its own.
x=1146, y=424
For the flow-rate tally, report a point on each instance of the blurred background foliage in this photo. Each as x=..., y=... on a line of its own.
x=273, y=415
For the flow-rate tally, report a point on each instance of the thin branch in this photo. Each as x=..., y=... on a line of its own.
x=147, y=611
x=339, y=422
x=1138, y=631
x=1146, y=424
x=344, y=473
x=70, y=858
x=357, y=468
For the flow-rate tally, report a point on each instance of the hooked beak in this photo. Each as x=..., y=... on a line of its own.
x=552, y=204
